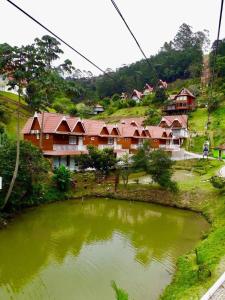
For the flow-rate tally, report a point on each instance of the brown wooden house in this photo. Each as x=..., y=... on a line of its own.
x=181, y=103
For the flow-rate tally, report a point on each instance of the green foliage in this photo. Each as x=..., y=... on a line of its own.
x=160, y=95
x=140, y=160
x=217, y=182
x=160, y=169
x=120, y=293
x=157, y=164
x=62, y=178
x=101, y=160
x=32, y=172
x=153, y=117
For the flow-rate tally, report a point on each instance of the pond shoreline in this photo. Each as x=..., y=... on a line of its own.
x=194, y=200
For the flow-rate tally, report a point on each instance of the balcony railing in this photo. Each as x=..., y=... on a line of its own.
x=170, y=146
x=135, y=146
x=59, y=147
x=113, y=146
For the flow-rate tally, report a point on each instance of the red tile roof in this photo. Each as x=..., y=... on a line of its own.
x=182, y=119
x=185, y=92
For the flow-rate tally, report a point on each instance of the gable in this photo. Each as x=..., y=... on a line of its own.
x=163, y=124
x=114, y=132
x=104, y=131
x=35, y=125
x=143, y=133
x=63, y=126
x=133, y=123
x=136, y=133
x=176, y=124
x=79, y=128
x=164, y=134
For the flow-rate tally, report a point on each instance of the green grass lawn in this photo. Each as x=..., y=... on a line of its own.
x=10, y=108
x=137, y=111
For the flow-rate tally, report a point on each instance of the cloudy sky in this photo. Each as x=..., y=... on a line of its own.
x=94, y=28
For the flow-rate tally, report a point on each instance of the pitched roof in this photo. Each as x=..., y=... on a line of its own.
x=137, y=93
x=156, y=132
x=129, y=131
x=129, y=121
x=94, y=127
x=182, y=119
x=185, y=92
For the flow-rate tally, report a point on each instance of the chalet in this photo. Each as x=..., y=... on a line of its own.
x=177, y=123
x=162, y=84
x=132, y=137
x=136, y=96
x=148, y=90
x=163, y=138
x=62, y=137
x=183, y=102
x=98, y=109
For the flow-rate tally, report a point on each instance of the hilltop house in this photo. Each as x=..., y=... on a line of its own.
x=62, y=137
x=148, y=90
x=183, y=102
x=98, y=109
x=136, y=96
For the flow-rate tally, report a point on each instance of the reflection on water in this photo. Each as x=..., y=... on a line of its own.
x=73, y=251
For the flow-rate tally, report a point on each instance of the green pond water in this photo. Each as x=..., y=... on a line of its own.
x=72, y=251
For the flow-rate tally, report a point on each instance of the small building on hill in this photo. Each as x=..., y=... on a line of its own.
x=98, y=109
x=148, y=90
x=183, y=102
x=219, y=152
x=136, y=96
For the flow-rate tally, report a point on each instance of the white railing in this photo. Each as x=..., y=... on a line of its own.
x=172, y=146
x=59, y=147
x=135, y=146
x=113, y=146
x=217, y=285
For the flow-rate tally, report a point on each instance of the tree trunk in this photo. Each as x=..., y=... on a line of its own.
x=41, y=133
x=17, y=157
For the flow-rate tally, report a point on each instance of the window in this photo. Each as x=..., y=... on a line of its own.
x=47, y=136
x=72, y=140
x=110, y=141
x=92, y=138
x=38, y=136
x=126, y=139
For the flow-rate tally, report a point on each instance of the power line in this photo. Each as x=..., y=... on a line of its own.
x=214, y=57
x=60, y=39
x=132, y=34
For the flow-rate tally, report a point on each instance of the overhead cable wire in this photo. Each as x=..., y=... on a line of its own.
x=215, y=55
x=132, y=34
x=58, y=38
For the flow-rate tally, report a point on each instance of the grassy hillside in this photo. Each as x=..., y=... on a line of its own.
x=216, y=130
x=9, y=104
x=138, y=111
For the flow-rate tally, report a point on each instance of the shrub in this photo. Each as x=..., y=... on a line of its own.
x=62, y=177
x=32, y=172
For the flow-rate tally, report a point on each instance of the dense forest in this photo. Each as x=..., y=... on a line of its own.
x=180, y=58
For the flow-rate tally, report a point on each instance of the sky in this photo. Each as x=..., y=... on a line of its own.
x=95, y=29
